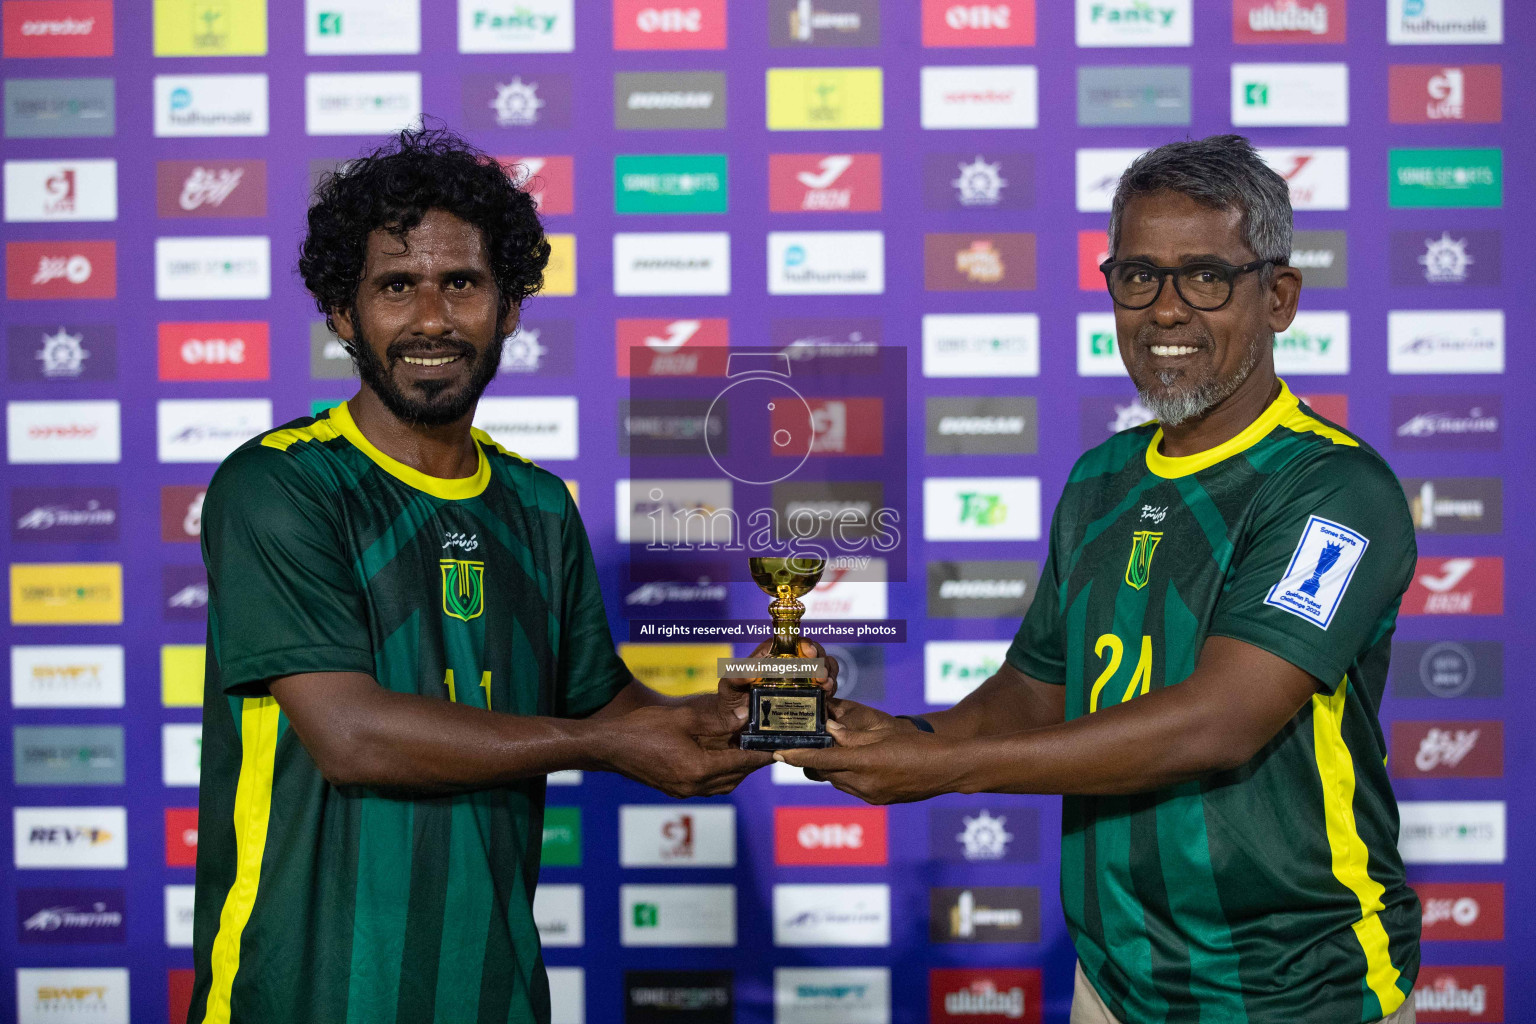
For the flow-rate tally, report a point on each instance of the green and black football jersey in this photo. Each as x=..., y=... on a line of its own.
x=1272, y=893
x=326, y=904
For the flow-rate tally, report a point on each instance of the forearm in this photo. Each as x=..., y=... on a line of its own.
x=1006, y=703
x=638, y=695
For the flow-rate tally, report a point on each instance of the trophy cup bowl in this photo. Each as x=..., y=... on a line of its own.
x=786, y=711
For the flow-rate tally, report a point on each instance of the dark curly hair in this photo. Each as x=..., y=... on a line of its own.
x=393, y=188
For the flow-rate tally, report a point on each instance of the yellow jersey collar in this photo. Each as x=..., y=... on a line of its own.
x=1173, y=466
x=452, y=490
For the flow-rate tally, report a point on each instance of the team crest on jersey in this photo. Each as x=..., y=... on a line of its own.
x=1139, y=568
x=463, y=588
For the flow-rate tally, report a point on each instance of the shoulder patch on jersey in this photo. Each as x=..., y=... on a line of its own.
x=1321, y=567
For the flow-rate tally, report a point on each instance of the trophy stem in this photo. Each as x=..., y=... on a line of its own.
x=787, y=612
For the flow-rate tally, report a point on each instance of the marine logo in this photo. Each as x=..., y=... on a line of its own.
x=463, y=588
x=1139, y=567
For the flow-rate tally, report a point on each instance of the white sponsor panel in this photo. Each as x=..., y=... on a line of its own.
x=567, y=995
x=831, y=995
x=214, y=267
x=70, y=837
x=981, y=96
x=1318, y=176
x=953, y=668
x=1445, y=341
x=178, y=916
x=181, y=753
x=981, y=345
x=677, y=915
x=673, y=511
x=672, y=263
x=1319, y=572
x=981, y=508
x=207, y=105
x=1315, y=344
x=63, y=432
x=1098, y=172
x=1297, y=94
x=362, y=26
x=1098, y=350
x=207, y=430
x=826, y=262
x=831, y=915
x=361, y=102
x=517, y=26
x=1451, y=831
x=671, y=835
x=788, y=775
x=62, y=995
x=539, y=428
x=1135, y=22
x=559, y=912
x=850, y=594
x=60, y=190
x=67, y=676
x=1432, y=22
x=569, y=777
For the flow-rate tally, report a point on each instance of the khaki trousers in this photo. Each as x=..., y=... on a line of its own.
x=1088, y=1008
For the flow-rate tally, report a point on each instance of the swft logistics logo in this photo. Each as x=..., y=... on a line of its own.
x=1444, y=178
x=58, y=28
x=825, y=99
x=66, y=593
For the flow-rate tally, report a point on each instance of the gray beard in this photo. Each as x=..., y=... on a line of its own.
x=1175, y=406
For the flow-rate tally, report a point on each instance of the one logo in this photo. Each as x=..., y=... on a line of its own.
x=1138, y=568
x=463, y=588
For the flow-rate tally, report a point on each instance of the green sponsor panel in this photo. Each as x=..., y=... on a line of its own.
x=670, y=183
x=1441, y=178
x=562, y=837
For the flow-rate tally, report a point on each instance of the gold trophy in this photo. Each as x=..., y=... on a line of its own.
x=786, y=711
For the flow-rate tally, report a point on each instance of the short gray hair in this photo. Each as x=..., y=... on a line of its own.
x=1223, y=172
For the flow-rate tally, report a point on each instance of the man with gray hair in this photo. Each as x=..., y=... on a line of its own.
x=1200, y=671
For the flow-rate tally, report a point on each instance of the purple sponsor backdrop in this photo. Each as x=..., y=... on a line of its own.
x=1477, y=425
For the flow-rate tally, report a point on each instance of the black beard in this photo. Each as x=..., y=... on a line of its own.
x=438, y=404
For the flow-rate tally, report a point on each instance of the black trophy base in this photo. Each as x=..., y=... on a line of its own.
x=786, y=717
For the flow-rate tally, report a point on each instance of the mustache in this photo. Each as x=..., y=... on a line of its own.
x=1151, y=334
x=401, y=349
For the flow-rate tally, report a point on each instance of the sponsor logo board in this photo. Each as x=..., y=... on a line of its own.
x=953, y=668
x=181, y=753
x=672, y=263
x=1314, y=344
x=211, y=188
x=1456, y=504
x=824, y=182
x=68, y=755
x=523, y=100
x=46, y=191
x=82, y=676
x=184, y=593
x=550, y=180
x=677, y=670
x=808, y=836
x=535, y=427
x=826, y=262
x=677, y=915
x=60, y=270
x=1451, y=832
x=178, y=916
x=1443, y=995
x=802, y=23
x=210, y=105
x=981, y=426
x=49, y=916
x=983, y=913
x=979, y=180
x=180, y=837
x=1001, y=261
x=1448, y=422
x=1293, y=94
x=68, y=514
x=1318, y=176
x=1448, y=668
x=1102, y=416
x=181, y=512
x=1098, y=172
x=984, y=834
x=1458, y=256
x=848, y=995
x=517, y=26
x=985, y=995
x=561, y=844
x=58, y=28
x=965, y=23
x=1445, y=341
x=1150, y=94
x=1456, y=586
x=981, y=345
x=334, y=27
x=45, y=994
x=1462, y=911
x=981, y=96
x=825, y=99
x=1431, y=22
x=213, y=351
x=679, y=997
x=1473, y=750
x=206, y=430
x=981, y=508
x=1098, y=350
x=70, y=837
x=1445, y=94
x=672, y=348
x=559, y=915
x=361, y=102
x=981, y=590
x=659, y=836
x=1135, y=22
x=60, y=108
x=1445, y=178
x=196, y=28
x=207, y=267
x=831, y=915
x=652, y=25
x=1322, y=257
x=662, y=100
x=1289, y=21
x=670, y=183
x=66, y=593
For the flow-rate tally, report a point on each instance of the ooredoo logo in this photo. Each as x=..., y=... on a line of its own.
x=658, y=25
x=1000, y=23
x=1455, y=911
x=213, y=351
x=60, y=270
x=829, y=835
x=58, y=28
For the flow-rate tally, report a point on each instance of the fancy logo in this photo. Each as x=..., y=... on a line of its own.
x=1315, y=343
x=60, y=270
x=1431, y=22
x=70, y=915
x=825, y=99
x=658, y=25
x=1462, y=911
x=677, y=915
x=981, y=96
x=58, y=28
x=43, y=191
x=984, y=914
x=559, y=914
x=1469, y=750
x=961, y=23
x=801, y=23
x=1318, y=177
x=807, y=836
x=1436, y=93
x=68, y=514
x=1451, y=995
x=209, y=105
x=517, y=26
x=824, y=182
x=953, y=668
x=653, y=836
x=985, y=995
x=981, y=345
x=1288, y=21
x=832, y=915
x=1134, y=22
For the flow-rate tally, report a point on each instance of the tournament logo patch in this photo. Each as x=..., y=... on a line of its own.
x=1138, y=569
x=1321, y=567
x=463, y=588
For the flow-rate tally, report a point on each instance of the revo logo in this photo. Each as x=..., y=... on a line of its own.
x=829, y=835
x=181, y=837
x=214, y=351
x=824, y=182
x=1456, y=586
x=58, y=28
x=1469, y=750
x=1455, y=911
x=999, y=23
x=672, y=348
x=658, y=25
x=60, y=270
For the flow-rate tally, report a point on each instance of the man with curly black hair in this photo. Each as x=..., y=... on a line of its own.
x=405, y=635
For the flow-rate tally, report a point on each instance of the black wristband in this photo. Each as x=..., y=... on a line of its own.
x=919, y=721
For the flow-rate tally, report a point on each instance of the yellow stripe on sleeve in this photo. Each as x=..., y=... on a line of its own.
x=1336, y=770
x=253, y=807
x=1303, y=424
x=282, y=440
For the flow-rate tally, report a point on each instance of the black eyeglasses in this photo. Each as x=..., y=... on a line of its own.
x=1206, y=286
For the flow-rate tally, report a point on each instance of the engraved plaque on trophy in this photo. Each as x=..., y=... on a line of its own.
x=786, y=711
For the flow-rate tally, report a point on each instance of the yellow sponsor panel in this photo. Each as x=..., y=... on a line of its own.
x=181, y=675
x=676, y=670
x=575, y=489
x=560, y=274
x=60, y=593
x=210, y=28
x=821, y=99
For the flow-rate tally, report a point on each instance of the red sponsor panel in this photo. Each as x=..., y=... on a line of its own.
x=1459, y=995
x=984, y=995
x=1457, y=911
x=840, y=426
x=968, y=23
x=1456, y=586
x=1333, y=408
x=58, y=28
x=180, y=982
x=550, y=180
x=672, y=348
x=60, y=270
x=215, y=350
x=824, y=182
x=1092, y=249
x=1288, y=21
x=829, y=835
x=181, y=837
x=1439, y=750
x=211, y=188
x=664, y=25
x=1435, y=93
x=181, y=512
